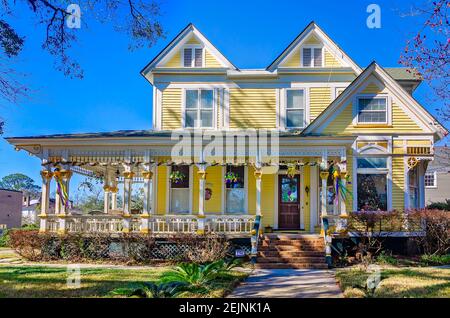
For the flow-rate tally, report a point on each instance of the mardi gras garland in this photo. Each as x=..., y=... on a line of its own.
x=340, y=187
x=61, y=189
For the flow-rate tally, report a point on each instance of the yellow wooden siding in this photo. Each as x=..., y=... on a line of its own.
x=193, y=40
x=161, y=189
x=175, y=61
x=312, y=40
x=251, y=191
x=319, y=99
x=373, y=88
x=267, y=199
x=195, y=190
x=398, y=147
x=252, y=108
x=214, y=180
x=343, y=124
x=418, y=143
x=211, y=61
x=293, y=60
x=398, y=183
x=171, y=108
x=330, y=60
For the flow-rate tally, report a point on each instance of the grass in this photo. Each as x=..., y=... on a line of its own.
x=43, y=282
x=408, y=282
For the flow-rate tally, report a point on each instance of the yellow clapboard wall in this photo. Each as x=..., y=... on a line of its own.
x=398, y=183
x=319, y=99
x=171, y=108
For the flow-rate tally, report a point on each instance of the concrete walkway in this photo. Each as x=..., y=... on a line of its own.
x=289, y=283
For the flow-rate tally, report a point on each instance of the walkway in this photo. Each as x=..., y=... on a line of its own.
x=290, y=283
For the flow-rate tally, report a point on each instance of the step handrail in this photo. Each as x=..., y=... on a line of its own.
x=327, y=239
x=255, y=239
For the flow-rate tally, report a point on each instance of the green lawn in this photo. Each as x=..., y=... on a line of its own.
x=37, y=281
x=410, y=282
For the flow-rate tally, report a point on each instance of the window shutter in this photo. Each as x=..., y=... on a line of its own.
x=306, y=57
x=198, y=57
x=187, y=57
x=317, y=57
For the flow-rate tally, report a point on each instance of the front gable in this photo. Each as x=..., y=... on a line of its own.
x=404, y=114
x=312, y=37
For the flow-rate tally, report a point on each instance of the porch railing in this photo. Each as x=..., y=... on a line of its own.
x=158, y=224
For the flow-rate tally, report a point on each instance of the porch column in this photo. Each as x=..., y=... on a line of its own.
x=106, y=198
x=201, y=210
x=323, y=201
x=343, y=207
x=62, y=197
x=147, y=209
x=114, y=189
x=127, y=188
x=45, y=199
x=258, y=176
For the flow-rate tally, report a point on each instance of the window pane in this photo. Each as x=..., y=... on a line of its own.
x=294, y=118
x=294, y=99
x=372, y=117
x=307, y=57
x=207, y=118
x=198, y=58
x=429, y=179
x=317, y=57
x=191, y=98
x=206, y=99
x=372, y=192
x=372, y=104
x=183, y=171
x=372, y=162
x=235, y=201
x=187, y=57
x=191, y=117
x=179, y=201
x=289, y=189
x=238, y=173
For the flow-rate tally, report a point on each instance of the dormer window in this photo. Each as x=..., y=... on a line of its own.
x=372, y=110
x=193, y=56
x=312, y=56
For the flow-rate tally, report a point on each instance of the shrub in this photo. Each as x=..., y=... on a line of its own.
x=385, y=258
x=205, y=249
x=27, y=244
x=372, y=228
x=445, y=206
x=152, y=290
x=435, y=225
x=435, y=260
x=4, y=238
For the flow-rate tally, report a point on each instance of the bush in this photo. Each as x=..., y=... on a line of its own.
x=435, y=225
x=435, y=260
x=385, y=258
x=445, y=206
x=126, y=248
x=4, y=238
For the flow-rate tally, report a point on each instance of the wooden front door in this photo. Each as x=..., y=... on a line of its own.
x=288, y=202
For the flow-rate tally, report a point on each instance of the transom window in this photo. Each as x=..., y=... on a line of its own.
x=199, y=108
x=312, y=57
x=372, y=110
x=193, y=57
x=295, y=108
x=430, y=179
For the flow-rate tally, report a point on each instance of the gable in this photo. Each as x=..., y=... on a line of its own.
x=404, y=113
x=333, y=56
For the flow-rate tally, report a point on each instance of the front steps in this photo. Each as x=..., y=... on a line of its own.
x=279, y=251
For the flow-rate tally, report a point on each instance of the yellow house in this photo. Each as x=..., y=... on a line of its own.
x=311, y=135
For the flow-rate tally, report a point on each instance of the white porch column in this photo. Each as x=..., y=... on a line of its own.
x=343, y=178
x=201, y=201
x=323, y=201
x=313, y=194
x=127, y=190
x=147, y=209
x=45, y=199
x=258, y=177
x=106, y=198
x=62, y=200
x=114, y=189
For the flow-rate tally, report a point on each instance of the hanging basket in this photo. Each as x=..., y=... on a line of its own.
x=231, y=178
x=176, y=177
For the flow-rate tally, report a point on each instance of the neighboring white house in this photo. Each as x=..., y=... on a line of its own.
x=437, y=177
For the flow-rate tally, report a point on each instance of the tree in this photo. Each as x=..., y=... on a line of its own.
x=428, y=52
x=136, y=18
x=89, y=196
x=19, y=182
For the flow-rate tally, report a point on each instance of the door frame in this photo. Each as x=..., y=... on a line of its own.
x=301, y=198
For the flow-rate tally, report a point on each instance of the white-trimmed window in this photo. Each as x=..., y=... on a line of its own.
x=430, y=179
x=235, y=190
x=193, y=56
x=199, y=108
x=413, y=188
x=372, y=110
x=312, y=56
x=372, y=182
x=179, y=190
x=295, y=108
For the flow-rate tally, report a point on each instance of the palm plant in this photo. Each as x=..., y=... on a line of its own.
x=152, y=290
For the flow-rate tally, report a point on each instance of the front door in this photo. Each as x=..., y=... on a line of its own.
x=289, y=202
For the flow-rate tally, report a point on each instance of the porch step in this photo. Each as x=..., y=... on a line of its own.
x=291, y=251
x=291, y=265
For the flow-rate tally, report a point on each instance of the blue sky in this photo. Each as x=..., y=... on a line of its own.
x=113, y=95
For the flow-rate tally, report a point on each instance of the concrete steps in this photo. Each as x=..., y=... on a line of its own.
x=291, y=251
